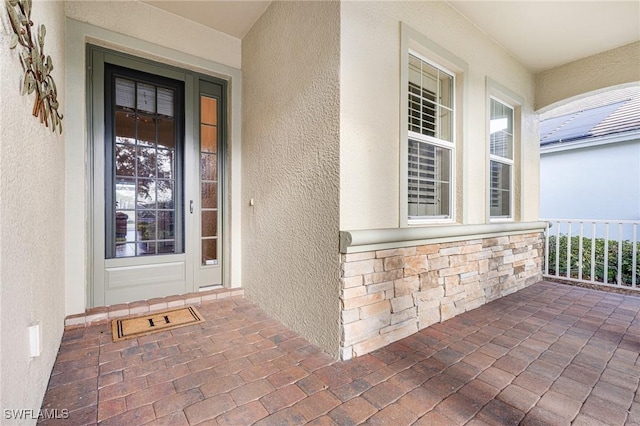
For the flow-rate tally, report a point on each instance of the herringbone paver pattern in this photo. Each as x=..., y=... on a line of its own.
x=547, y=355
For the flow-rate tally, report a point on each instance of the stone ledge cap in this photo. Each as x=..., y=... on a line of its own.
x=379, y=239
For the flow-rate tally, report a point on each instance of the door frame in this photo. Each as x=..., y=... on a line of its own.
x=95, y=179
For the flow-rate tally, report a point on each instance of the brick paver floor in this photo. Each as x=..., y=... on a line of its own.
x=548, y=355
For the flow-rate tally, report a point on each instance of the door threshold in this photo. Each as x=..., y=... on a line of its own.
x=210, y=287
x=104, y=314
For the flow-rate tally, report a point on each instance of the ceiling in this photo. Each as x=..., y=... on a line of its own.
x=539, y=34
x=545, y=34
x=231, y=17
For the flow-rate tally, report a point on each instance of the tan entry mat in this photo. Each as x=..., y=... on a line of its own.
x=132, y=327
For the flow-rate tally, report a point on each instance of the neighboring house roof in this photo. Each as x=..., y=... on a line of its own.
x=614, y=117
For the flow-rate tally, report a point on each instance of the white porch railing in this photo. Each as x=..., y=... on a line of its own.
x=603, y=252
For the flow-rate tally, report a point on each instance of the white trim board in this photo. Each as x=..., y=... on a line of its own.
x=381, y=239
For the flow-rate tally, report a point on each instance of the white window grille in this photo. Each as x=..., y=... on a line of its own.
x=430, y=140
x=501, y=162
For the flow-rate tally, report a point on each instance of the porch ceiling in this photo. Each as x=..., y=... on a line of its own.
x=539, y=34
x=546, y=34
x=231, y=17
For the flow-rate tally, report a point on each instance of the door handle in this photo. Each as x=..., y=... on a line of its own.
x=191, y=206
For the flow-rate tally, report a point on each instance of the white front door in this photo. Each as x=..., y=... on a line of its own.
x=156, y=138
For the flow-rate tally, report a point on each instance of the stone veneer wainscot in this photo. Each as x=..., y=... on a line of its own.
x=389, y=294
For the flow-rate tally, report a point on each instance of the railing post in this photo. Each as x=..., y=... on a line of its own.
x=546, y=250
x=557, y=248
x=580, y=262
x=606, y=253
x=593, y=252
x=569, y=249
x=635, y=255
x=619, y=278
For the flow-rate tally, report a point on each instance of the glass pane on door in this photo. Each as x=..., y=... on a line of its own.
x=144, y=155
x=209, y=179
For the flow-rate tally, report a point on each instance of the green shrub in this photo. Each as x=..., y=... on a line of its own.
x=599, y=272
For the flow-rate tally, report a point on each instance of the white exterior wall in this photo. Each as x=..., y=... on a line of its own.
x=291, y=111
x=32, y=163
x=141, y=30
x=600, y=182
x=370, y=111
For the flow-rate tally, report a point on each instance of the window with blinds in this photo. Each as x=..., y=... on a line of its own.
x=430, y=144
x=501, y=159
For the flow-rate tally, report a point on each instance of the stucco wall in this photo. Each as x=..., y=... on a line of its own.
x=370, y=110
x=290, y=131
x=595, y=73
x=600, y=182
x=32, y=223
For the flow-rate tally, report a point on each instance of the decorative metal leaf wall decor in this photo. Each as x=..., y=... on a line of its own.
x=37, y=67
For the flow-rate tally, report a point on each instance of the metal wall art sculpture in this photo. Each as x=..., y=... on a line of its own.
x=37, y=67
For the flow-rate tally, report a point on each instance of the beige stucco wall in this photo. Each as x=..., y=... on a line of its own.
x=32, y=223
x=140, y=30
x=290, y=66
x=589, y=75
x=370, y=113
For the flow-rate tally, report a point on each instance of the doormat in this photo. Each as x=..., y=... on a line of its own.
x=132, y=327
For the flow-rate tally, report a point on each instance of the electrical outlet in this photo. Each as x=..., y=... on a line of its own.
x=35, y=340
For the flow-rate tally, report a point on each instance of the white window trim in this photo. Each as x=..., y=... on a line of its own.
x=499, y=93
x=412, y=42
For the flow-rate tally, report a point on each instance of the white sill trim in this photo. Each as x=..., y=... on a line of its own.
x=435, y=222
x=382, y=239
x=500, y=219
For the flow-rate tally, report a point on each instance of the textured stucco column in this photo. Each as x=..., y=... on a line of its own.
x=290, y=167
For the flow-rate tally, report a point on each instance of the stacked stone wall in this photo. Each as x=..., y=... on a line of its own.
x=387, y=295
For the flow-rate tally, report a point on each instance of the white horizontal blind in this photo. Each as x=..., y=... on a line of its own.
x=125, y=93
x=422, y=110
x=430, y=100
x=501, y=129
x=430, y=147
x=165, y=102
x=422, y=172
x=134, y=95
x=429, y=180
